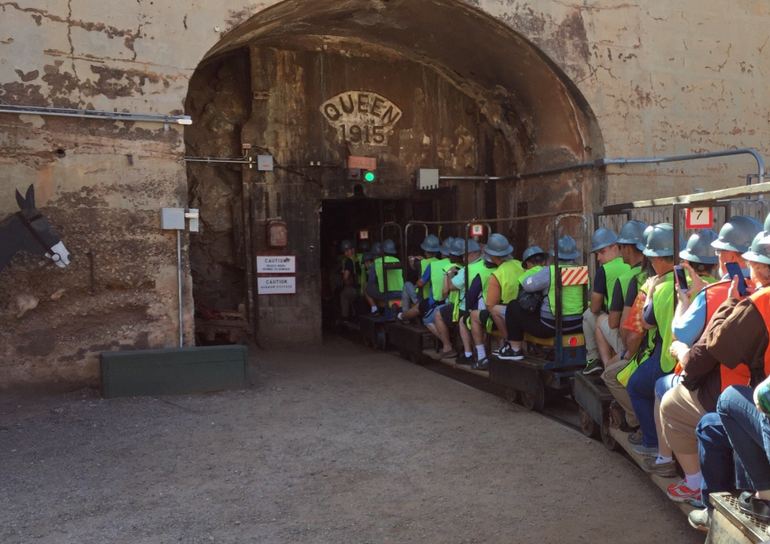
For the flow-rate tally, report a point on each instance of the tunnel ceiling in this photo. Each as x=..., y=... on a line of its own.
x=517, y=87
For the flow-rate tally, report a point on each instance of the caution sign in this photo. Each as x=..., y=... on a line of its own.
x=277, y=286
x=276, y=264
x=699, y=218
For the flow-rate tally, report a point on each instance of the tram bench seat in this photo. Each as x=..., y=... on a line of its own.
x=567, y=340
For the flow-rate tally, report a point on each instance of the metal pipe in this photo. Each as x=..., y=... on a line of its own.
x=97, y=114
x=179, y=285
x=222, y=160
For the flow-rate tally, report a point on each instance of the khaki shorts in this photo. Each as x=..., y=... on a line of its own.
x=612, y=336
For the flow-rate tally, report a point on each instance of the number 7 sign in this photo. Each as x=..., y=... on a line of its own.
x=699, y=218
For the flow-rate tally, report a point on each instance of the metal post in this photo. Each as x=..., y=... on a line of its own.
x=179, y=285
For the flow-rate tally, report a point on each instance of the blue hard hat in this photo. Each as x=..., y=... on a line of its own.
x=632, y=234
x=760, y=249
x=431, y=244
x=531, y=252
x=446, y=246
x=737, y=234
x=660, y=240
x=389, y=247
x=602, y=238
x=376, y=248
x=568, y=250
x=699, y=250
x=498, y=246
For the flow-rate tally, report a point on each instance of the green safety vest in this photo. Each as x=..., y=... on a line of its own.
x=453, y=296
x=572, y=300
x=663, y=308
x=358, y=259
x=529, y=272
x=625, y=279
x=508, y=274
x=426, y=289
x=395, y=279
x=437, y=269
x=612, y=271
x=475, y=269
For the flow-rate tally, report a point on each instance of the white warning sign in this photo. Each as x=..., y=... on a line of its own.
x=276, y=264
x=277, y=286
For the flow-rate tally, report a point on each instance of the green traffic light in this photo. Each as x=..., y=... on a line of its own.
x=369, y=177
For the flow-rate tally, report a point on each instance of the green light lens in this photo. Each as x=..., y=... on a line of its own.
x=369, y=177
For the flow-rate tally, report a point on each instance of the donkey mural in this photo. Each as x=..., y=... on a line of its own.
x=28, y=230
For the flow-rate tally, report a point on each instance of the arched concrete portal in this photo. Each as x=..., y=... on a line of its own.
x=412, y=84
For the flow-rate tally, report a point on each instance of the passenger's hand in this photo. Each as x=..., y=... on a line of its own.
x=732, y=292
x=678, y=350
x=696, y=282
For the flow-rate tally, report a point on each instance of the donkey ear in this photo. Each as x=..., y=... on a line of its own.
x=30, y=198
x=20, y=200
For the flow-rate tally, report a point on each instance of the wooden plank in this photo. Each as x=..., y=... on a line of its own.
x=743, y=191
x=451, y=363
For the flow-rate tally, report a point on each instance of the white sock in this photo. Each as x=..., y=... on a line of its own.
x=481, y=351
x=374, y=309
x=468, y=354
x=662, y=459
x=693, y=481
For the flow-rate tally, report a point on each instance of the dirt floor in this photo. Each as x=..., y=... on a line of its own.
x=335, y=445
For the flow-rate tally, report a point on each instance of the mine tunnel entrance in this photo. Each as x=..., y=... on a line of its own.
x=313, y=85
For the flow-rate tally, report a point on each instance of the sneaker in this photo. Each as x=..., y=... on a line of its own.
x=463, y=360
x=679, y=492
x=594, y=366
x=666, y=470
x=700, y=519
x=641, y=449
x=401, y=317
x=635, y=438
x=508, y=353
x=481, y=365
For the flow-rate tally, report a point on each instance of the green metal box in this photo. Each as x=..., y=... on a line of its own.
x=173, y=371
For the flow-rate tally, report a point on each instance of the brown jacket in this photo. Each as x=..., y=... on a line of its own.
x=735, y=334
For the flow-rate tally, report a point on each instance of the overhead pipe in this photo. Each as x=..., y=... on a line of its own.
x=97, y=114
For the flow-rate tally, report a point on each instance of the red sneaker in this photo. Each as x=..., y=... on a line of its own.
x=679, y=492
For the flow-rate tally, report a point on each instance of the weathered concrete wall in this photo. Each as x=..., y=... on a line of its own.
x=659, y=77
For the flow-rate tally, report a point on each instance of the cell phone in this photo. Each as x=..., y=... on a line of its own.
x=681, y=278
x=734, y=269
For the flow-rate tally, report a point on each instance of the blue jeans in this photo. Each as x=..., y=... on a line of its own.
x=641, y=389
x=664, y=383
x=721, y=470
x=749, y=432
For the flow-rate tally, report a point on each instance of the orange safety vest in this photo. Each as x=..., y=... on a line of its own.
x=716, y=294
x=761, y=301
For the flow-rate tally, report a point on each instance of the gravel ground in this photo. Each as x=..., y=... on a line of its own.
x=335, y=445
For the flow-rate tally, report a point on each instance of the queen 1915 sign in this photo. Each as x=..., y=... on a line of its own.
x=361, y=117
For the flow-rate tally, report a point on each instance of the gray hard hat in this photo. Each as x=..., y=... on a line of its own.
x=531, y=252
x=660, y=240
x=602, y=238
x=568, y=250
x=766, y=228
x=389, y=247
x=346, y=245
x=376, y=248
x=736, y=234
x=431, y=244
x=498, y=246
x=446, y=246
x=699, y=250
x=632, y=234
x=759, y=252
x=458, y=247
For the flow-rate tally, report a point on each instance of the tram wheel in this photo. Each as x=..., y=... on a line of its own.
x=534, y=400
x=511, y=394
x=587, y=425
x=607, y=439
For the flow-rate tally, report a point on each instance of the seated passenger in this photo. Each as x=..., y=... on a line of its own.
x=455, y=286
x=610, y=339
x=610, y=267
x=654, y=360
x=380, y=282
x=703, y=377
x=499, y=250
x=518, y=321
x=414, y=292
